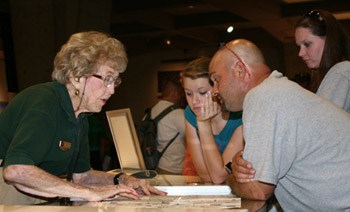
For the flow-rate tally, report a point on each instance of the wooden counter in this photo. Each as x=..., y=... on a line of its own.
x=159, y=180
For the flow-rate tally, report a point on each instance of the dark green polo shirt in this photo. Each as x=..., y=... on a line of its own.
x=39, y=128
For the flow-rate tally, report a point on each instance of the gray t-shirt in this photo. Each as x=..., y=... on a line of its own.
x=299, y=142
x=335, y=86
x=174, y=122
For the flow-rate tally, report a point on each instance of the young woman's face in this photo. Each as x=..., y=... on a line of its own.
x=195, y=92
x=311, y=47
x=97, y=92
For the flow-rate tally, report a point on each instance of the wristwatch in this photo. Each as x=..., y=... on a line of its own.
x=116, y=178
x=228, y=167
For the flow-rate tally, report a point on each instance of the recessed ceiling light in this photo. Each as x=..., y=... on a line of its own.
x=230, y=29
x=168, y=42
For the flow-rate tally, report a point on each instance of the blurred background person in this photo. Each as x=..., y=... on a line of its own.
x=172, y=123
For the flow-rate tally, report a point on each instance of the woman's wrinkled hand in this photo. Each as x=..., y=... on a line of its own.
x=140, y=185
x=110, y=191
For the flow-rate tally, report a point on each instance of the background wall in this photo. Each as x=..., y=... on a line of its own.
x=40, y=27
x=3, y=83
x=293, y=64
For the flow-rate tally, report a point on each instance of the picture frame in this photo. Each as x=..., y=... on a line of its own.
x=125, y=139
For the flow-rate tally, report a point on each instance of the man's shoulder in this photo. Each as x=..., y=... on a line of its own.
x=273, y=91
x=174, y=111
x=178, y=110
x=163, y=105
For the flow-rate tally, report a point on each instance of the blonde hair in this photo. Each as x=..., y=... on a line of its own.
x=84, y=52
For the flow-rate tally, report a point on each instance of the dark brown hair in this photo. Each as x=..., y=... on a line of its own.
x=337, y=44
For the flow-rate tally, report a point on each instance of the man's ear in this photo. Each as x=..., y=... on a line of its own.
x=240, y=71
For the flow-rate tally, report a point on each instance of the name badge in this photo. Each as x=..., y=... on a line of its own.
x=65, y=145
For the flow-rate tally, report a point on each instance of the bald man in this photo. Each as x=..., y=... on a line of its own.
x=297, y=142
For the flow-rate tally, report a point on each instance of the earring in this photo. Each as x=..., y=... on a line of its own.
x=77, y=92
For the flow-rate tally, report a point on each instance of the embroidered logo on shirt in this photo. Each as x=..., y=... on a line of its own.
x=65, y=145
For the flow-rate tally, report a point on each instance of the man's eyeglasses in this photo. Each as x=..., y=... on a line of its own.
x=223, y=45
x=109, y=80
x=314, y=14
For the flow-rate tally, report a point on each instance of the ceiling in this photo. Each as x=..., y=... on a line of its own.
x=144, y=26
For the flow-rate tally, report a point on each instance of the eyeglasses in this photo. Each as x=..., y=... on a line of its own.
x=109, y=80
x=314, y=14
x=234, y=53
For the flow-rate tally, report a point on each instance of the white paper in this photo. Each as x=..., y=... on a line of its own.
x=196, y=190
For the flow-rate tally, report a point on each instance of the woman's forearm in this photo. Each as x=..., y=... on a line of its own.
x=211, y=155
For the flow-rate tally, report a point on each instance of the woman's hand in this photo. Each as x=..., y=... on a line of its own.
x=209, y=108
x=140, y=185
x=110, y=191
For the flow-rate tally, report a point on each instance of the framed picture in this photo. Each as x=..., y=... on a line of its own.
x=125, y=139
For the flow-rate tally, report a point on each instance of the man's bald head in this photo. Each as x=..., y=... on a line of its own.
x=247, y=51
x=235, y=69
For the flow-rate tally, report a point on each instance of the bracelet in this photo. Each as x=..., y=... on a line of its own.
x=116, y=178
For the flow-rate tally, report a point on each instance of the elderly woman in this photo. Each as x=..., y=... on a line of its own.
x=44, y=130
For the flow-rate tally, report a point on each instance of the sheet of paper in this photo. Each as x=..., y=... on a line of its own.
x=196, y=190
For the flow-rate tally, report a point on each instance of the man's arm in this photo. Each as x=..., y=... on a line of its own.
x=240, y=180
x=254, y=190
